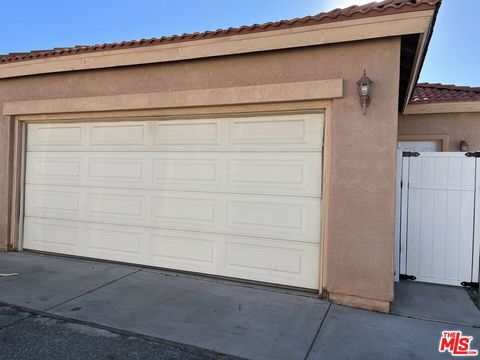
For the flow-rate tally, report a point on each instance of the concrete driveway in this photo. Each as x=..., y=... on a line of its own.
x=247, y=321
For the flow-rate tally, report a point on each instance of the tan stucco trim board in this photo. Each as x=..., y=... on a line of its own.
x=443, y=108
x=342, y=31
x=298, y=91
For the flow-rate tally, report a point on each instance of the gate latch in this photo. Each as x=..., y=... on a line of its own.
x=410, y=154
x=407, y=277
x=473, y=154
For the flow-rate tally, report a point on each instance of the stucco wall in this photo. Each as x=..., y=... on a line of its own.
x=458, y=126
x=361, y=210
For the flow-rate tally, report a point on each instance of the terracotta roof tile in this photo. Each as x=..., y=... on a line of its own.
x=430, y=93
x=353, y=12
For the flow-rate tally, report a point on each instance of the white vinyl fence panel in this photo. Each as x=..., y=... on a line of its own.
x=440, y=219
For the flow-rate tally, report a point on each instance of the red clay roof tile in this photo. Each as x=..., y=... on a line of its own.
x=353, y=12
x=430, y=93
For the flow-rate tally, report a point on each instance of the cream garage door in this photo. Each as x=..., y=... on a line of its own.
x=237, y=197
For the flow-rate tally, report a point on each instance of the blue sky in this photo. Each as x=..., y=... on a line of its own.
x=453, y=56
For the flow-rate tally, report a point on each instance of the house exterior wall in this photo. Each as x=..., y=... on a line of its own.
x=458, y=127
x=358, y=254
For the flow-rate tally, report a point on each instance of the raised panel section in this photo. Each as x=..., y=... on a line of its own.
x=291, y=131
x=124, y=242
x=115, y=169
x=250, y=173
x=114, y=205
x=281, y=218
x=187, y=132
x=52, y=135
x=299, y=132
x=52, y=235
x=165, y=249
x=266, y=215
x=266, y=173
x=118, y=134
x=54, y=201
x=186, y=171
x=54, y=169
x=183, y=209
x=257, y=258
x=286, y=174
x=291, y=263
x=254, y=131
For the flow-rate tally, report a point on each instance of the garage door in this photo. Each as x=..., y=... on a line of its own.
x=237, y=197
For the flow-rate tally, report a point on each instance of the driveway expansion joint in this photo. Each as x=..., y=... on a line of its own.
x=92, y=290
x=318, y=332
x=434, y=321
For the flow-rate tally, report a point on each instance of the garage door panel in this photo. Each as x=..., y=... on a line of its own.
x=54, y=168
x=107, y=242
x=264, y=259
x=187, y=172
x=187, y=132
x=55, y=136
x=295, y=132
x=185, y=252
x=234, y=196
x=115, y=169
x=56, y=201
x=127, y=133
x=115, y=205
x=283, y=218
x=255, y=173
x=291, y=263
x=53, y=236
x=187, y=209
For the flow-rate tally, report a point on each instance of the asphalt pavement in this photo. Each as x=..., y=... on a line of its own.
x=29, y=336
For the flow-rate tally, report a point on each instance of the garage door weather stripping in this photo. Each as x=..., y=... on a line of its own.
x=237, y=197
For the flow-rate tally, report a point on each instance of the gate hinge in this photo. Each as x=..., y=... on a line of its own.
x=410, y=154
x=407, y=277
x=473, y=285
x=473, y=154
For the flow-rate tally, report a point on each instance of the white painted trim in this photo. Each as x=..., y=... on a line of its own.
x=398, y=209
x=476, y=229
x=404, y=216
x=341, y=31
x=23, y=162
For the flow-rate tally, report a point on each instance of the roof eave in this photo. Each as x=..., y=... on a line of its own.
x=334, y=32
x=447, y=107
x=420, y=56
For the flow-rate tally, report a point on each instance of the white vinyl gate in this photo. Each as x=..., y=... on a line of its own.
x=437, y=231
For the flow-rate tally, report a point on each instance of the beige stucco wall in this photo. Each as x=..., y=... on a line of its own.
x=361, y=208
x=458, y=127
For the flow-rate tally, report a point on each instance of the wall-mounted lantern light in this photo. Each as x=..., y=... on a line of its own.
x=463, y=146
x=364, y=86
